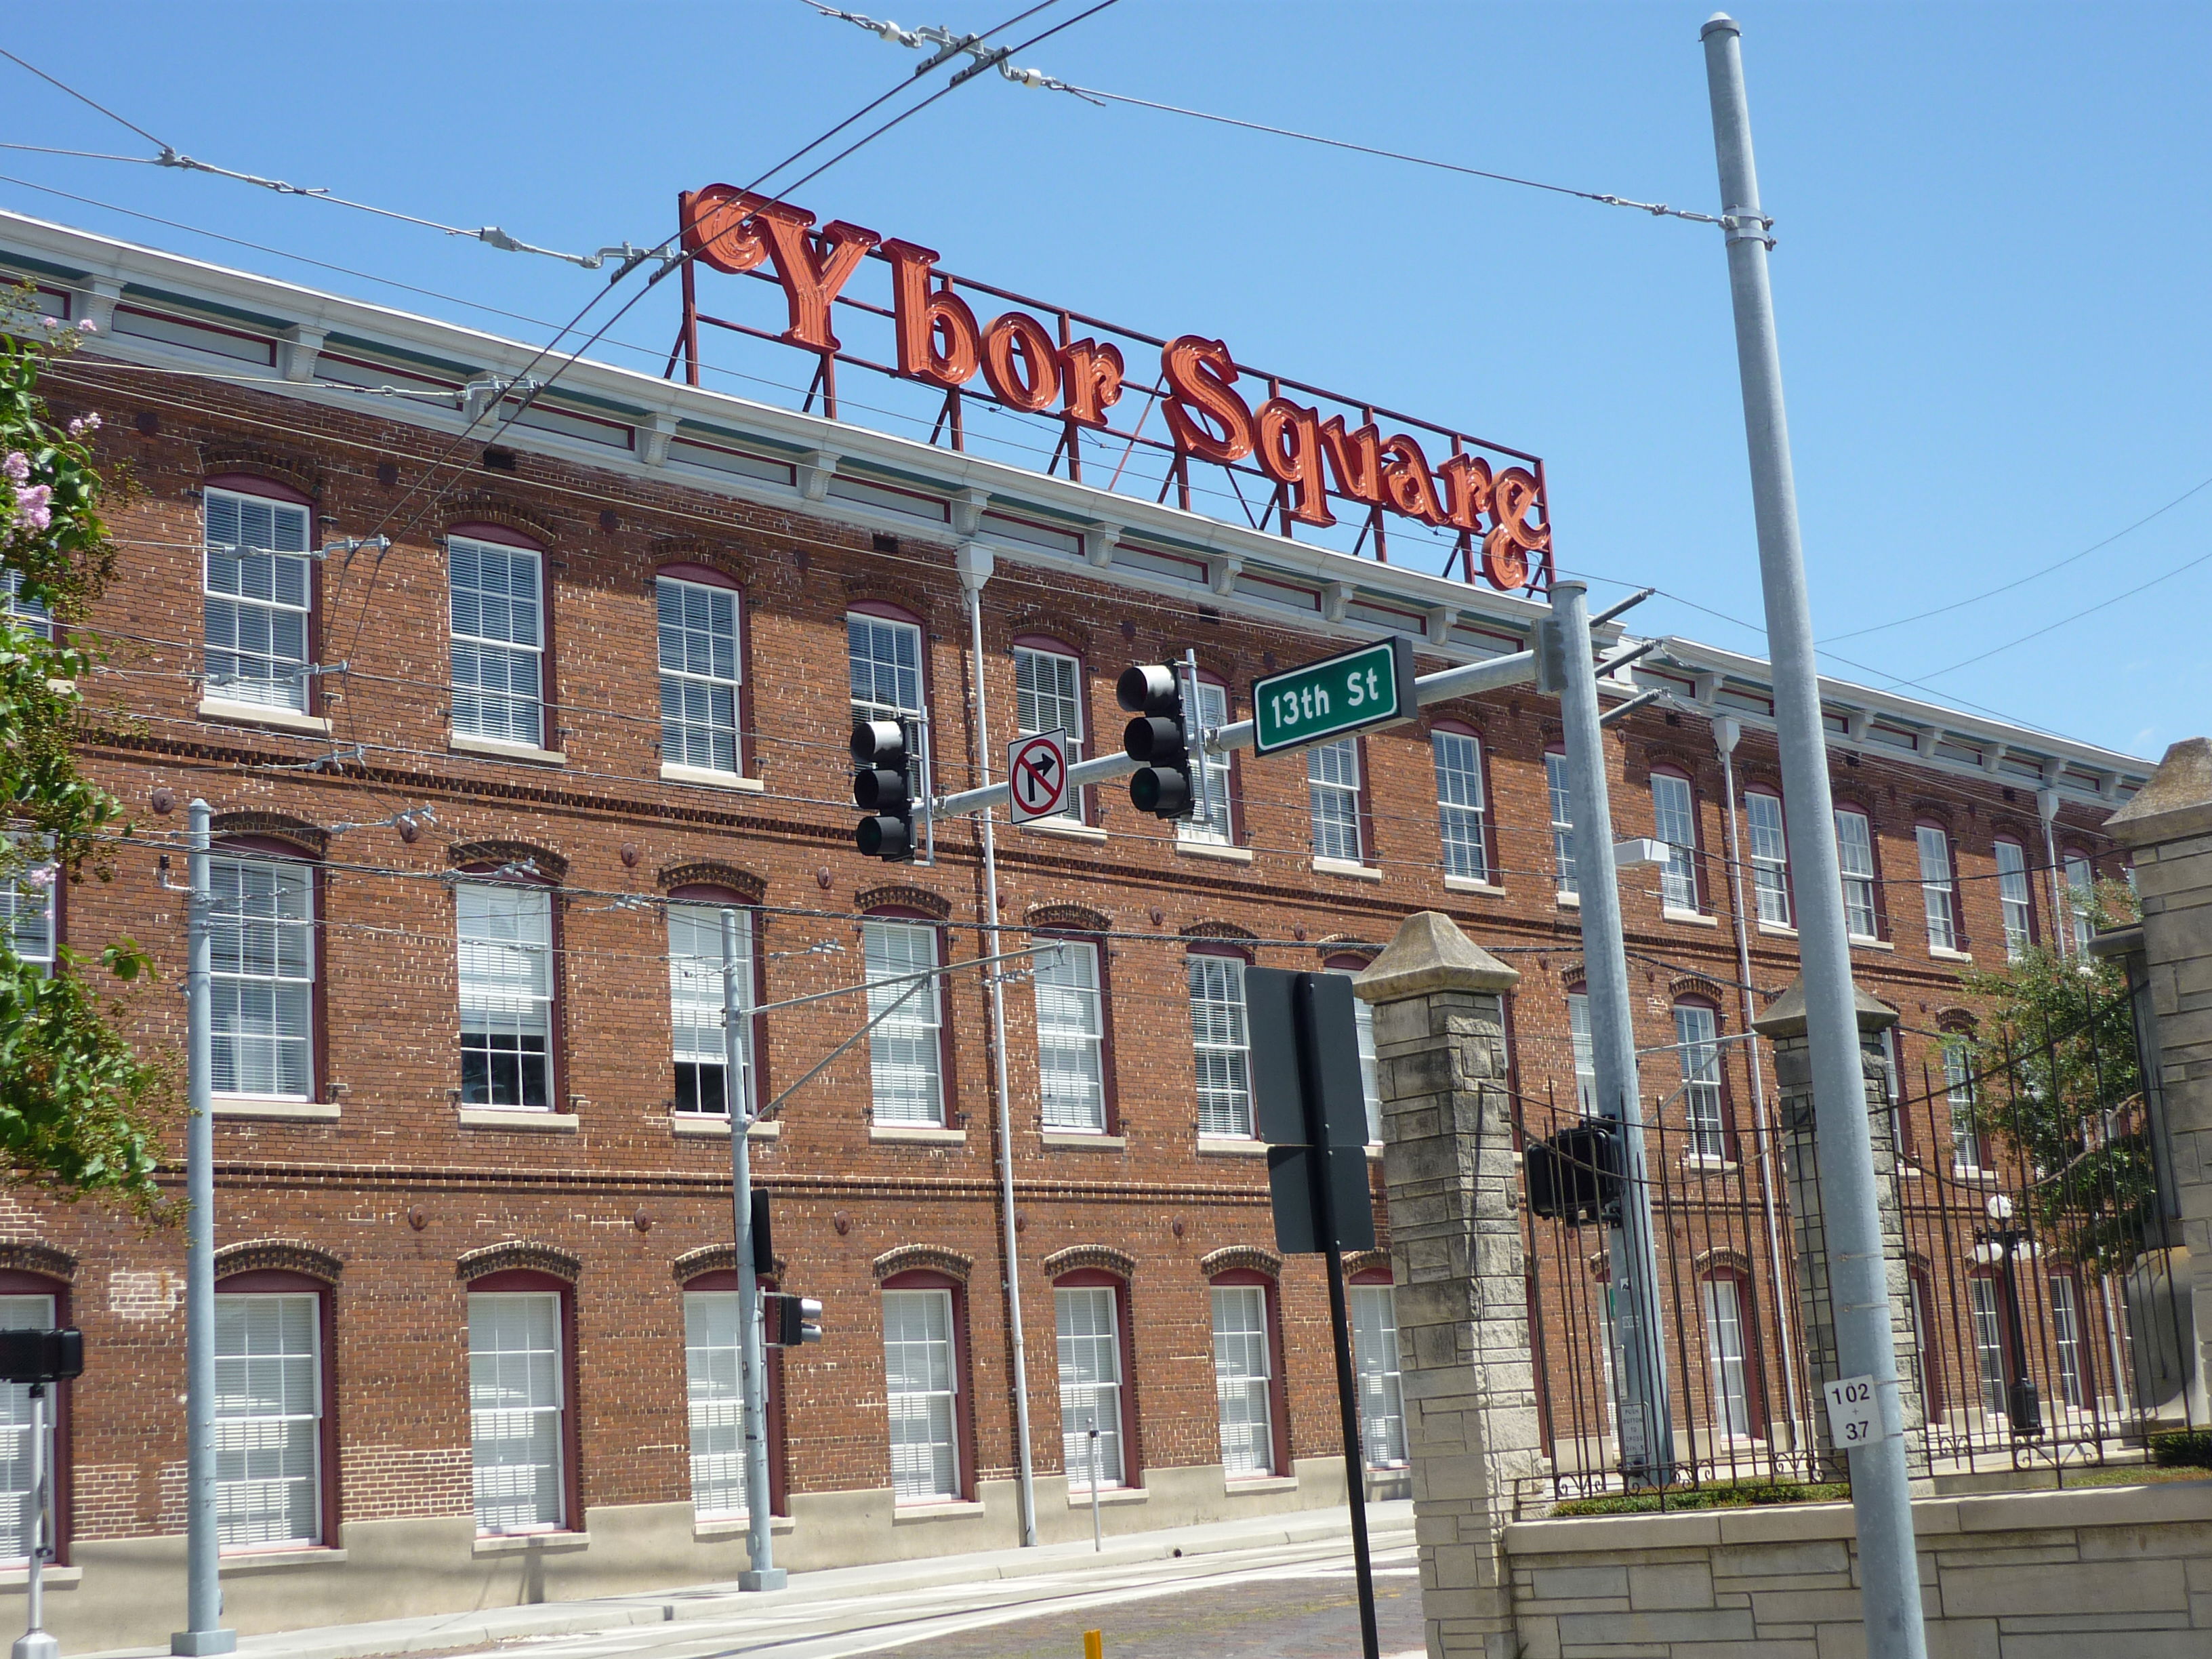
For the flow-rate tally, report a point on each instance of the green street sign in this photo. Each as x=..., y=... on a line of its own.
x=1371, y=686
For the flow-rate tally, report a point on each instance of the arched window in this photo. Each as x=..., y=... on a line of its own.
x=907, y=1050
x=1248, y=1374
x=1697, y=1039
x=1675, y=821
x=1221, y=1042
x=32, y=1302
x=521, y=1348
x=717, y=1425
x=1213, y=823
x=1770, y=855
x=509, y=983
x=702, y=644
x=1091, y=1311
x=1050, y=695
x=1461, y=812
x=264, y=952
x=501, y=636
x=1732, y=1388
x=1375, y=1359
x=1939, y=892
x=2016, y=896
x=258, y=594
x=1075, y=1049
x=1563, y=818
x=276, y=1438
x=925, y=1380
x=695, y=1021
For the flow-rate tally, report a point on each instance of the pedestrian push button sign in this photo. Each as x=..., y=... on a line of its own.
x=1036, y=776
x=1854, y=1413
x=1321, y=701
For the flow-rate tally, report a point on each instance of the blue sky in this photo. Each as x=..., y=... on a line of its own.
x=1992, y=278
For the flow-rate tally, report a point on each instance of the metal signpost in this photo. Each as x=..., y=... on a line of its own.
x=1037, y=777
x=1321, y=701
x=737, y=1096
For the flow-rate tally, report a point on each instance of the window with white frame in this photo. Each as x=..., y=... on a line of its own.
x=2081, y=887
x=1959, y=1096
x=1332, y=793
x=1675, y=821
x=884, y=658
x=1221, y=1045
x=699, y=676
x=718, y=1428
x=1071, y=1038
x=507, y=994
x=29, y=615
x=922, y=1389
x=1090, y=1383
x=1460, y=804
x=515, y=1404
x=268, y=1419
x=1243, y=1380
x=18, y=1312
x=499, y=641
x=1938, y=891
x=695, y=1006
x=2015, y=897
x=1375, y=1359
x=1049, y=697
x=2066, y=1341
x=906, y=1056
x=1984, y=1307
x=1697, y=1041
x=1563, y=820
x=1855, y=859
x=27, y=908
x=1209, y=822
x=262, y=952
x=258, y=590
x=1769, y=856
x=1578, y=1032
x=1727, y=1382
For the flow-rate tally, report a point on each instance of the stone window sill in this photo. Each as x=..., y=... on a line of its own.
x=1213, y=849
x=1228, y=1146
x=916, y=1135
x=1859, y=942
x=1690, y=918
x=1348, y=867
x=736, y=1525
x=509, y=1117
x=1374, y=1152
x=527, y=1543
x=1079, y=1141
x=1472, y=884
x=1945, y=953
x=1706, y=1164
x=1259, y=1484
x=499, y=749
x=1066, y=829
x=242, y=1563
x=1568, y=900
x=710, y=779
x=1973, y=1172
x=703, y=1126
x=256, y=714
x=1778, y=929
x=1079, y=1498
x=296, y=1112
x=957, y=1511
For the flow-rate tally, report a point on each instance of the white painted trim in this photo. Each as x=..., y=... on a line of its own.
x=1067, y=829
x=519, y=1117
x=1348, y=867
x=703, y=1126
x=297, y=1111
x=708, y=779
x=1081, y=1140
x=1213, y=849
x=255, y=713
x=1230, y=1146
x=462, y=744
x=1470, y=884
x=916, y=1135
x=1690, y=918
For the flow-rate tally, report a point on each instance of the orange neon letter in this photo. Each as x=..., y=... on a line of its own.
x=1020, y=362
x=1289, y=452
x=812, y=269
x=1091, y=374
x=1407, y=481
x=716, y=228
x=1355, y=458
x=938, y=339
x=1467, y=482
x=1200, y=374
x=1505, y=549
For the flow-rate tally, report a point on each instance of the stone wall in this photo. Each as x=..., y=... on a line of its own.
x=2046, y=1575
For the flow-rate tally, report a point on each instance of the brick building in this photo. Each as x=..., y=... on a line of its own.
x=469, y=1128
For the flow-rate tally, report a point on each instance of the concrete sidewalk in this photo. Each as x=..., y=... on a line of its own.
x=1389, y=1524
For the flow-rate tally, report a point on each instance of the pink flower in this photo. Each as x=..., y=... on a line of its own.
x=33, y=506
x=41, y=876
x=17, y=466
x=82, y=424
x=50, y=322
x=88, y=327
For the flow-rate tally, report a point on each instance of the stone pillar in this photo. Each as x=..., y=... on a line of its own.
x=1457, y=1260
x=2167, y=828
x=1783, y=1025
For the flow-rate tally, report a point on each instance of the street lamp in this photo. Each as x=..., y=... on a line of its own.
x=2022, y=1405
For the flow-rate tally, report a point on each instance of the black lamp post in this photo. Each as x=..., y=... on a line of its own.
x=2022, y=1406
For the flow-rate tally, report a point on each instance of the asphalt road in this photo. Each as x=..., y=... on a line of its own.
x=1282, y=1601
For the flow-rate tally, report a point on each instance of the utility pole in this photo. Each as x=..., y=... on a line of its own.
x=204, y=1590
x=37, y=1642
x=1881, y=1497
x=738, y=1095
x=1645, y=1419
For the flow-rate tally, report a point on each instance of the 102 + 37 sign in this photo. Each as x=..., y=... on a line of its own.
x=1321, y=701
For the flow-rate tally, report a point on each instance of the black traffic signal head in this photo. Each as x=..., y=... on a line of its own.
x=881, y=789
x=1159, y=736
x=791, y=1322
x=41, y=1356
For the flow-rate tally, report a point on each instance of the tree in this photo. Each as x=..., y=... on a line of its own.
x=80, y=1110
x=2056, y=1074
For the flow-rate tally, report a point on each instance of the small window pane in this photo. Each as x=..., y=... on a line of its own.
x=1725, y=1365
x=1936, y=892
x=1578, y=1028
x=2015, y=897
x=1049, y=697
x=1697, y=1044
x=1855, y=858
x=711, y=1360
x=1210, y=821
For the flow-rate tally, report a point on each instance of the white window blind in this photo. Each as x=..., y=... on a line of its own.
x=1675, y=821
x=1210, y=821
x=1241, y=1369
x=1770, y=857
x=1333, y=792
x=262, y=949
x=905, y=1055
x=1221, y=1045
x=26, y=614
x=920, y=1384
x=1049, y=697
x=507, y=994
x=1936, y=892
x=499, y=641
x=2066, y=1341
x=1374, y=1358
x=718, y=1430
x=699, y=676
x=1090, y=1383
x=515, y=1403
x=1959, y=1096
x=18, y=1312
x=1696, y=1043
x=269, y=1417
x=1725, y=1384
x=1460, y=804
x=1578, y=1032
x=1855, y=859
x=2015, y=897
x=694, y=1005
x=257, y=594
x=1071, y=1042
x=1563, y=820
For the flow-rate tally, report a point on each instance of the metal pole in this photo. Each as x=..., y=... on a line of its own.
x=974, y=571
x=1881, y=1495
x=1097, y=1540
x=204, y=1590
x=752, y=1360
x=1727, y=731
x=1645, y=1418
x=35, y=1642
x=2062, y=909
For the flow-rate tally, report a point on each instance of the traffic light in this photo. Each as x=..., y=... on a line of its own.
x=789, y=1322
x=41, y=1356
x=1574, y=1176
x=1159, y=737
x=880, y=789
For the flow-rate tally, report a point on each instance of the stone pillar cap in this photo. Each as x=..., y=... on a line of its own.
x=2176, y=803
x=1430, y=954
x=1786, y=1018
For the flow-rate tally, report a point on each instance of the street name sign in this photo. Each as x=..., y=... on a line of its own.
x=1321, y=701
x=1036, y=776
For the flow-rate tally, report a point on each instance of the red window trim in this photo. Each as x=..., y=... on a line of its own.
x=1205, y=946
x=526, y=1280
x=14, y=1282
x=705, y=575
x=1124, y=1337
x=1098, y=945
x=1754, y=1370
x=779, y=1453
x=1278, y=1417
x=277, y=1281
x=963, y=1368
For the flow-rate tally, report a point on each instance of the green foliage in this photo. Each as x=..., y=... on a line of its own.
x=2182, y=1449
x=80, y=1112
x=1747, y=1494
x=2058, y=1078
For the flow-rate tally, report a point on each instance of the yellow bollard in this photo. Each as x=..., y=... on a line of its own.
x=1094, y=1644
